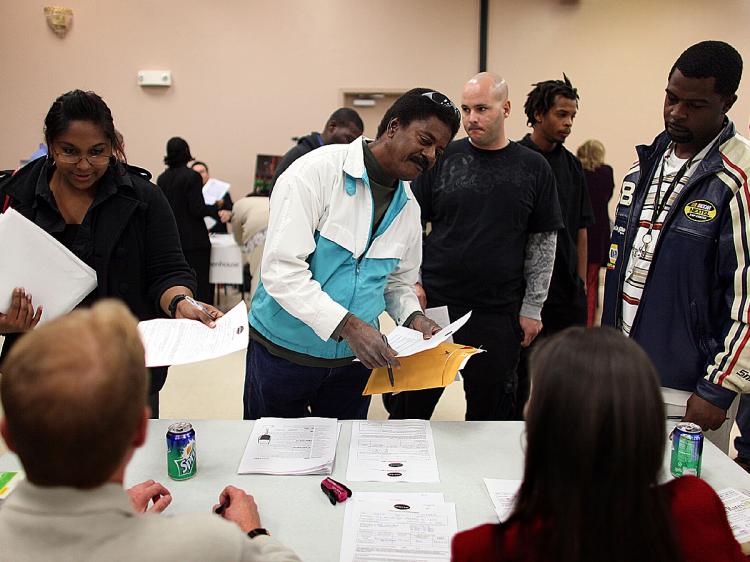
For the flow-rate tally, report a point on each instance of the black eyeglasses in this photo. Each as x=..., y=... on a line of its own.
x=442, y=99
x=95, y=156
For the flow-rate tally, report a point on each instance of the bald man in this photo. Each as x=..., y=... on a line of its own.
x=494, y=213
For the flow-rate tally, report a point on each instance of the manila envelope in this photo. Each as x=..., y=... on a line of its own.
x=429, y=369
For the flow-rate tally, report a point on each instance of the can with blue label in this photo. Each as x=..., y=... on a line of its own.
x=687, y=450
x=181, y=459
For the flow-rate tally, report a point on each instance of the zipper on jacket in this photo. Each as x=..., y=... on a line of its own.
x=689, y=186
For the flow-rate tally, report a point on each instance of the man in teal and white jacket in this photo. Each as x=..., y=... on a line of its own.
x=344, y=243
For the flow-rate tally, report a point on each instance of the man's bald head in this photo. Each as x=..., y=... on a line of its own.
x=491, y=83
x=74, y=393
x=484, y=108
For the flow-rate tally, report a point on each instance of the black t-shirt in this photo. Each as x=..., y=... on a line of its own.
x=482, y=205
x=577, y=214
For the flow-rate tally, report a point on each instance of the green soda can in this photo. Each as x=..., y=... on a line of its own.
x=181, y=460
x=687, y=450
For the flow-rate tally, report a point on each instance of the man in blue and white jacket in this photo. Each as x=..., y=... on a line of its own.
x=344, y=243
x=678, y=273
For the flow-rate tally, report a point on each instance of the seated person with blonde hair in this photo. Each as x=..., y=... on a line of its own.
x=74, y=395
x=595, y=441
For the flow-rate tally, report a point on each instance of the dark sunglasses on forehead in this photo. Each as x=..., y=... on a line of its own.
x=442, y=99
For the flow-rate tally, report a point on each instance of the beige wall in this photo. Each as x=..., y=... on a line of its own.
x=250, y=74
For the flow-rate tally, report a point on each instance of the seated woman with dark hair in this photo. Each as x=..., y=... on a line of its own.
x=595, y=446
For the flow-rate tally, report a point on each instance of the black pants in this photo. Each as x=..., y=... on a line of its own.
x=200, y=261
x=489, y=378
x=555, y=318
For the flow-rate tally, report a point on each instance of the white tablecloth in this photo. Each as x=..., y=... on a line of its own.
x=295, y=510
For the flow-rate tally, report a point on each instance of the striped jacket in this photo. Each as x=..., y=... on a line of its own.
x=692, y=319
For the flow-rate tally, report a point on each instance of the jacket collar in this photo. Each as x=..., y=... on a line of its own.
x=712, y=162
x=354, y=168
x=62, y=500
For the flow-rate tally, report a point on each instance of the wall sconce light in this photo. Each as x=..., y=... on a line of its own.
x=59, y=19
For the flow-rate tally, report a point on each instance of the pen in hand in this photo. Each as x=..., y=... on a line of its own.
x=222, y=506
x=390, y=369
x=200, y=307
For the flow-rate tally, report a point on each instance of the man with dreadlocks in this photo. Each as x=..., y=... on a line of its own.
x=550, y=110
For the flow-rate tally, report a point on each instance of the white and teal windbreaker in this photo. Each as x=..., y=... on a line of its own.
x=320, y=260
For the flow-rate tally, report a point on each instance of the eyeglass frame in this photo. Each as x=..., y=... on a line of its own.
x=445, y=101
x=65, y=158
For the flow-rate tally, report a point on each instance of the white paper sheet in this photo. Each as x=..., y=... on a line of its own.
x=31, y=258
x=176, y=342
x=737, y=505
x=407, y=531
x=503, y=495
x=406, y=341
x=210, y=222
x=392, y=451
x=214, y=190
x=291, y=446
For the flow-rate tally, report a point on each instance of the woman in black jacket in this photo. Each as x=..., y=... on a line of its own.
x=184, y=190
x=105, y=212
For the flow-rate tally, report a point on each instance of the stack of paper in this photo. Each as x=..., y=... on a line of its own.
x=34, y=260
x=176, y=342
x=503, y=495
x=737, y=505
x=392, y=451
x=400, y=527
x=291, y=446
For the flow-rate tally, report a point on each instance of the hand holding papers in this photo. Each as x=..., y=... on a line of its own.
x=291, y=446
x=425, y=363
x=34, y=260
x=392, y=451
x=214, y=190
x=176, y=342
x=406, y=341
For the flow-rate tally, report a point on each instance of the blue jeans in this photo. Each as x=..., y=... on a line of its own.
x=742, y=443
x=276, y=387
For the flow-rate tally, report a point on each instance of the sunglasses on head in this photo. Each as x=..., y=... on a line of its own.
x=442, y=99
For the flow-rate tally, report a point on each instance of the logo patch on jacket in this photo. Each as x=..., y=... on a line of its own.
x=613, y=251
x=700, y=210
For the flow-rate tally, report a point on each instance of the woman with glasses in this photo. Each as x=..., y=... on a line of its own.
x=595, y=441
x=108, y=214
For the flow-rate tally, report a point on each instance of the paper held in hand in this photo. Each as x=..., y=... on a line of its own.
x=176, y=342
x=34, y=260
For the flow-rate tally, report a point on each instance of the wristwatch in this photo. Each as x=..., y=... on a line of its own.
x=259, y=531
x=174, y=302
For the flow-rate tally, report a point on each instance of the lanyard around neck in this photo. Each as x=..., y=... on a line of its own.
x=661, y=203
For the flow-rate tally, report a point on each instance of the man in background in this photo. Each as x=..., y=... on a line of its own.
x=74, y=395
x=550, y=110
x=494, y=212
x=223, y=205
x=678, y=262
x=343, y=126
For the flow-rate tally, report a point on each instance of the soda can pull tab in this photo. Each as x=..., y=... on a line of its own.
x=335, y=491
